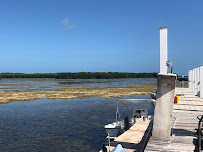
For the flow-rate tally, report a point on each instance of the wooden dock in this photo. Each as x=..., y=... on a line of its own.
x=133, y=140
x=184, y=124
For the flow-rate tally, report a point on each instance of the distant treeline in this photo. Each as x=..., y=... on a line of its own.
x=103, y=75
x=23, y=75
x=80, y=75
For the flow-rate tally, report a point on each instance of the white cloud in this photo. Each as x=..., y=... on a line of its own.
x=65, y=21
x=70, y=27
x=67, y=24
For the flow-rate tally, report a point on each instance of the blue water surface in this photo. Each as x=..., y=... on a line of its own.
x=58, y=125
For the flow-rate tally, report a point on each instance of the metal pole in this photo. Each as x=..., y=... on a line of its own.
x=109, y=142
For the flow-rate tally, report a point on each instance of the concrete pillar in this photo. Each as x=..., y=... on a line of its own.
x=195, y=79
x=190, y=79
x=201, y=81
x=163, y=50
x=164, y=105
x=198, y=82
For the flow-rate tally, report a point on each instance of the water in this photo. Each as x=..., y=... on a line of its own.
x=58, y=125
x=62, y=84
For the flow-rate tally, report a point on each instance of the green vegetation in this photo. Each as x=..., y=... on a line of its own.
x=23, y=75
x=80, y=75
x=104, y=75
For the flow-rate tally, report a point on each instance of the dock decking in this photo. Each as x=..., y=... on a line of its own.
x=184, y=124
x=133, y=139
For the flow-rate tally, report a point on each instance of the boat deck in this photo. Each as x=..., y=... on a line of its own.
x=184, y=124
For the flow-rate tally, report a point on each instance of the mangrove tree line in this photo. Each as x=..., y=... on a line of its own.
x=80, y=75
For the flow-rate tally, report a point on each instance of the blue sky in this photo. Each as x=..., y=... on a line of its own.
x=41, y=36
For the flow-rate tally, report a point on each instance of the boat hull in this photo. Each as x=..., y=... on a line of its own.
x=115, y=129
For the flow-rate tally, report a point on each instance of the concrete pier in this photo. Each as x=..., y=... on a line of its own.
x=164, y=105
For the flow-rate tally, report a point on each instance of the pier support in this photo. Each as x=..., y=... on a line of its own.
x=198, y=82
x=164, y=105
x=193, y=80
x=190, y=79
x=201, y=81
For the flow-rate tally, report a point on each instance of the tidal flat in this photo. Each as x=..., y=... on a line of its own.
x=30, y=89
x=104, y=92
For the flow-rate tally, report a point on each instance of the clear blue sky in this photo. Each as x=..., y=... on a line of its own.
x=40, y=36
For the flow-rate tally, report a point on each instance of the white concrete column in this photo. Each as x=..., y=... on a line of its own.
x=198, y=82
x=163, y=50
x=193, y=80
x=190, y=79
x=201, y=82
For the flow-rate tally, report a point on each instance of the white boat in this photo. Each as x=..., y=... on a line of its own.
x=118, y=127
x=114, y=129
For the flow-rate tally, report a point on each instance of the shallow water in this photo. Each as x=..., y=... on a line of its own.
x=37, y=84
x=58, y=125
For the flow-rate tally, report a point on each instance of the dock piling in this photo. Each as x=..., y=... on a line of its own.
x=164, y=105
x=201, y=81
x=195, y=78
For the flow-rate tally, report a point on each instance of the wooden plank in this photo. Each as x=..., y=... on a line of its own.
x=132, y=140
